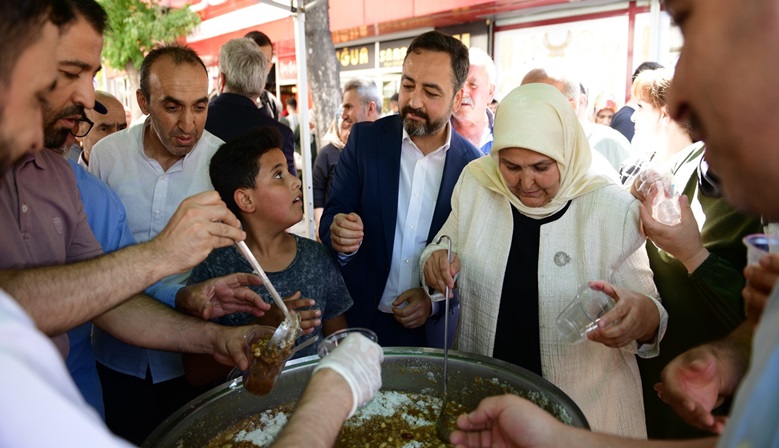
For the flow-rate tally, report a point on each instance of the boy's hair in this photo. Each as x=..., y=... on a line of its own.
x=236, y=164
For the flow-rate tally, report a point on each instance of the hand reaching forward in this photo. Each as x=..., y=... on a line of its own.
x=358, y=360
x=508, y=421
x=692, y=384
x=200, y=224
x=309, y=318
x=227, y=345
x=220, y=296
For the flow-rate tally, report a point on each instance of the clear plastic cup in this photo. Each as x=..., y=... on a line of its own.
x=758, y=245
x=581, y=316
x=264, y=366
x=665, y=205
x=332, y=341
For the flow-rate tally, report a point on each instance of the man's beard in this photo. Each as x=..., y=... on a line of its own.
x=416, y=128
x=53, y=136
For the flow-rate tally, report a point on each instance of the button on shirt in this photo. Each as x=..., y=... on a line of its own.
x=419, y=183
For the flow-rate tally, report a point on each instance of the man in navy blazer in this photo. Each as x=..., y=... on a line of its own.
x=391, y=193
x=242, y=73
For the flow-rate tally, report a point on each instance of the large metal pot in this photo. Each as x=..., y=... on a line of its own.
x=471, y=378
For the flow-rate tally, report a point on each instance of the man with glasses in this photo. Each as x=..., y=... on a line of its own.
x=72, y=148
x=107, y=220
x=98, y=123
x=45, y=229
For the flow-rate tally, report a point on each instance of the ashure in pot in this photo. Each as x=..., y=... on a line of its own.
x=418, y=370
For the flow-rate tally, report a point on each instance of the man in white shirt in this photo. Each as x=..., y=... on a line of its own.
x=391, y=192
x=153, y=167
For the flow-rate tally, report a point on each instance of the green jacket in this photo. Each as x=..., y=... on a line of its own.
x=704, y=305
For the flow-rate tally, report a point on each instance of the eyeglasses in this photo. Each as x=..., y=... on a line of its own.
x=83, y=126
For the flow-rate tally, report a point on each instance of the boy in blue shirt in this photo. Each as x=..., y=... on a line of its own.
x=250, y=174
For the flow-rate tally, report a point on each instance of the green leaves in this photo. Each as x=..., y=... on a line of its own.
x=137, y=25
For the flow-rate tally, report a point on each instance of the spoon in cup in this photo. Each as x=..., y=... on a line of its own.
x=289, y=329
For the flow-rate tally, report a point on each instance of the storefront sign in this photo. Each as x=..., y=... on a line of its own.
x=474, y=34
x=392, y=53
x=287, y=70
x=356, y=58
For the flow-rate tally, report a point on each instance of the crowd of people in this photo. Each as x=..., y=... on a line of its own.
x=122, y=296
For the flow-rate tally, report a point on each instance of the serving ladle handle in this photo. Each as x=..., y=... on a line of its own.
x=444, y=424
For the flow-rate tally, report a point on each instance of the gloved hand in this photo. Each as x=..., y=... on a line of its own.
x=358, y=360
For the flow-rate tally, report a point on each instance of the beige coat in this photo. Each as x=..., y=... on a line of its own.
x=597, y=238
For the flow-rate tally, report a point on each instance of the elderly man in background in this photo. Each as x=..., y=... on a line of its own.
x=474, y=119
x=361, y=102
x=242, y=72
x=113, y=119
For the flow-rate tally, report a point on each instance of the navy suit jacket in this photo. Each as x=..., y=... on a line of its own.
x=230, y=115
x=366, y=182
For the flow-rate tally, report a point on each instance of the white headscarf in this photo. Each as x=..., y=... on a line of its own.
x=539, y=118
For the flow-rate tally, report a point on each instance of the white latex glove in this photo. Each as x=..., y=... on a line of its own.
x=358, y=360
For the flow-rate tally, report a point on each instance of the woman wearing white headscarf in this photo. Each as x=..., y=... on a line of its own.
x=529, y=224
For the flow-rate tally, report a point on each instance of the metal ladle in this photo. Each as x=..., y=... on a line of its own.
x=289, y=329
x=446, y=422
